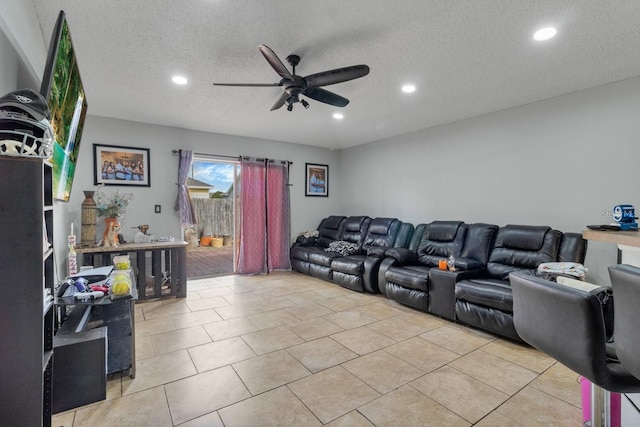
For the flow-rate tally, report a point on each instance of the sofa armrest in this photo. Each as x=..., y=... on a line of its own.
x=442, y=286
x=370, y=274
x=306, y=241
x=468, y=264
x=376, y=251
x=454, y=276
x=386, y=263
x=402, y=256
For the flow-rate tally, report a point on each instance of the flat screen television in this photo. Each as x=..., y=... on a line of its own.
x=62, y=87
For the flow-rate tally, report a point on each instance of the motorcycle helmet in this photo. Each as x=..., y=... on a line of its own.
x=25, y=129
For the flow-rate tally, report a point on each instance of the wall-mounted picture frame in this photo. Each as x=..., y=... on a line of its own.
x=118, y=165
x=316, y=180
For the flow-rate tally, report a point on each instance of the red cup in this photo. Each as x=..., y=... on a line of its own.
x=442, y=264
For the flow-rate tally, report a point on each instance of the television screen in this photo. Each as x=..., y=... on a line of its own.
x=62, y=87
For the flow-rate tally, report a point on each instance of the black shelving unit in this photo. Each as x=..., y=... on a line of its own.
x=26, y=291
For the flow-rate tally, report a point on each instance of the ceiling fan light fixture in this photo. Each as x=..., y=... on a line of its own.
x=545, y=34
x=408, y=88
x=310, y=86
x=338, y=116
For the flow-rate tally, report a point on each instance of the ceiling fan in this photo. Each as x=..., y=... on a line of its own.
x=309, y=86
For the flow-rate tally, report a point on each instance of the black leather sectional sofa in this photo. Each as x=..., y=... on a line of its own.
x=357, y=270
x=402, y=263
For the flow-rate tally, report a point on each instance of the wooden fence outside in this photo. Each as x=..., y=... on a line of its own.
x=215, y=216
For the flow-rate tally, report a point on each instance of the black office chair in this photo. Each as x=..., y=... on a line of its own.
x=625, y=280
x=567, y=323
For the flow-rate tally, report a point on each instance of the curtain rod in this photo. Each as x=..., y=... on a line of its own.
x=210, y=155
x=288, y=162
x=222, y=155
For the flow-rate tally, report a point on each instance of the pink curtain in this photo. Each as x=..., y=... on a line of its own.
x=265, y=229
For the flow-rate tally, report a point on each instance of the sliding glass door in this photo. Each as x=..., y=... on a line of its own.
x=214, y=189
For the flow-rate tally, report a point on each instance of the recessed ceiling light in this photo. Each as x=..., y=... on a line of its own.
x=338, y=116
x=545, y=34
x=179, y=80
x=408, y=88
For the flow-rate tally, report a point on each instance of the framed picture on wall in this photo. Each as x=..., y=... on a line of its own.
x=117, y=165
x=316, y=180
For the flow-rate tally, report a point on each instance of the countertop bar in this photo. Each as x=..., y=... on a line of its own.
x=627, y=238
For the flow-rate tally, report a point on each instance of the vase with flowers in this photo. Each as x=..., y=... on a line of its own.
x=111, y=207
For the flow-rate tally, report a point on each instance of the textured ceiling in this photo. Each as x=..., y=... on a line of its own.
x=466, y=57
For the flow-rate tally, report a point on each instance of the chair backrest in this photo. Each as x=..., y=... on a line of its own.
x=478, y=243
x=573, y=248
x=439, y=240
x=522, y=247
x=355, y=229
x=404, y=235
x=416, y=237
x=330, y=229
x=382, y=232
x=625, y=280
x=563, y=322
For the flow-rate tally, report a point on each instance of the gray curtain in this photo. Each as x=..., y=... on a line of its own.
x=184, y=204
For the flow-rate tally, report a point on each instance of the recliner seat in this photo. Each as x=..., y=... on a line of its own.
x=407, y=275
x=306, y=254
x=312, y=257
x=486, y=301
x=359, y=272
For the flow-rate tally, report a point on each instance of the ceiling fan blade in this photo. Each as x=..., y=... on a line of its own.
x=337, y=76
x=275, y=62
x=249, y=84
x=325, y=96
x=280, y=102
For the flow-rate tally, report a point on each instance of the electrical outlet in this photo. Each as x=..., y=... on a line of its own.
x=158, y=209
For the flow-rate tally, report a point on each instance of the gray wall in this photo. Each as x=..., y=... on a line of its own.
x=161, y=140
x=560, y=162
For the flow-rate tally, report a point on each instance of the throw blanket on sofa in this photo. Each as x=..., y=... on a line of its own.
x=343, y=248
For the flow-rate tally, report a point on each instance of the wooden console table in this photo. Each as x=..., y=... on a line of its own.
x=166, y=275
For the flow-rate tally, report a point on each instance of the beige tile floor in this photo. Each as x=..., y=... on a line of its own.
x=289, y=350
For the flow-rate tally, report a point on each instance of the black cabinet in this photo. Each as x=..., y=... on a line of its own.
x=117, y=315
x=26, y=289
x=80, y=376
